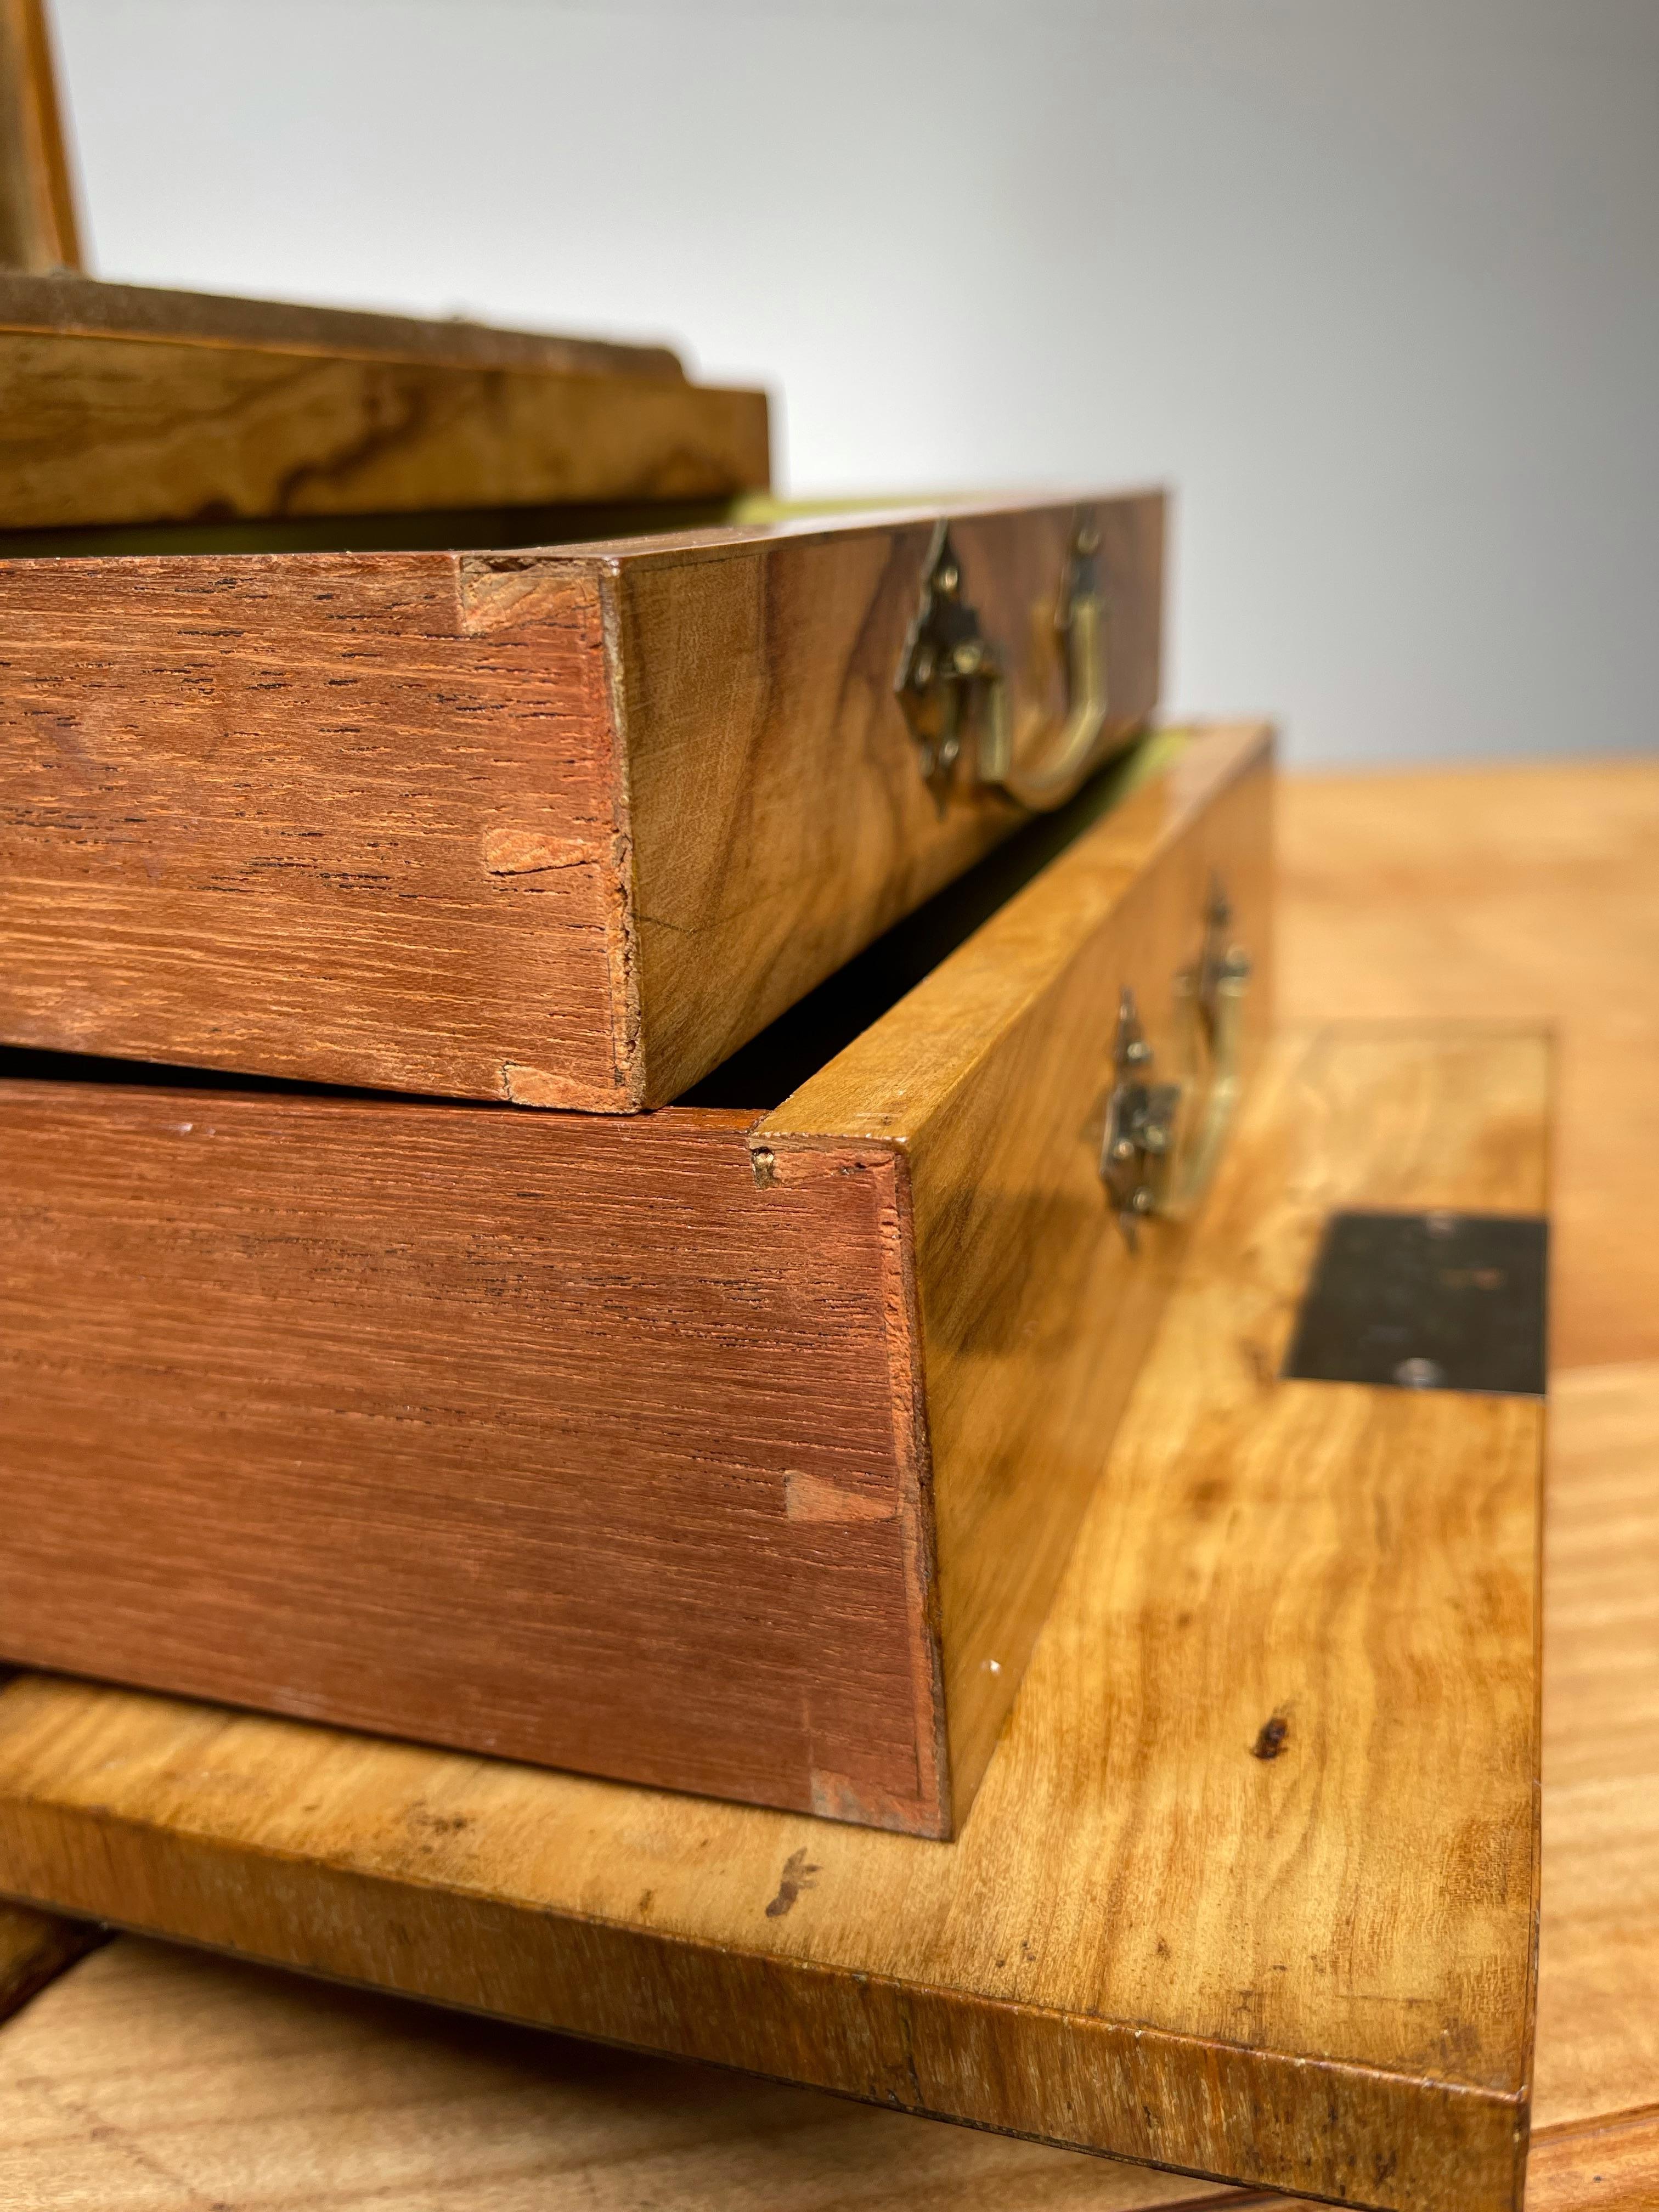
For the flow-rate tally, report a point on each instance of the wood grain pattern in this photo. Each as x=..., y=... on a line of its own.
x=778, y=818
x=152, y=2079
x=275, y=815
x=638, y=1448
x=1088, y=1965
x=1526, y=893
x=39, y=228
x=64, y=303
x=585, y=2121
x=107, y=430
x=288, y=2088
x=1613, y=2168
x=991, y=1079
x=158, y=2081
x=1599, y=1965
x=561, y=828
x=611, y=1433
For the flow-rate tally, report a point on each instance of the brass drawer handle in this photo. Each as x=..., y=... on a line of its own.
x=1161, y=1140
x=954, y=688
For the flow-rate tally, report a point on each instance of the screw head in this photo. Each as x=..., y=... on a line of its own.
x=1420, y=1374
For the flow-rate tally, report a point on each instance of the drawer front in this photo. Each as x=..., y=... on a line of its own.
x=780, y=807
x=560, y=828
x=1004, y=1081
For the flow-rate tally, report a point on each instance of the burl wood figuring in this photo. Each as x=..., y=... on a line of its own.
x=565, y=827
x=734, y=1452
x=1309, y=1971
x=120, y=404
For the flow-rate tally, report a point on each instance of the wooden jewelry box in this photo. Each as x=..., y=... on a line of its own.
x=735, y=1448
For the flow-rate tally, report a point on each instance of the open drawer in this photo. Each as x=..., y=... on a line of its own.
x=734, y=1448
x=561, y=825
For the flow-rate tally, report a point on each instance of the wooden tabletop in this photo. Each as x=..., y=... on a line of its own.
x=153, y=2077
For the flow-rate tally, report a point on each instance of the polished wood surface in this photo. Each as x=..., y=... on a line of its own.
x=160, y=2081
x=102, y=430
x=1516, y=893
x=560, y=827
x=645, y=1469
x=256, y=2090
x=1098, y=1960
x=63, y=304
x=778, y=816
x=40, y=229
x=1598, y=2021
x=990, y=1078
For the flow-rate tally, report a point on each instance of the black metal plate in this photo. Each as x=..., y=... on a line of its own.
x=1426, y=1301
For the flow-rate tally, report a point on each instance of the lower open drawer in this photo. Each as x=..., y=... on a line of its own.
x=735, y=1448
x=1250, y=1888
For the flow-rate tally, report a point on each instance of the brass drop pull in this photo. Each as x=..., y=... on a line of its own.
x=954, y=686
x=1161, y=1141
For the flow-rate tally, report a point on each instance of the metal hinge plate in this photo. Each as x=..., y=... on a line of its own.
x=1426, y=1301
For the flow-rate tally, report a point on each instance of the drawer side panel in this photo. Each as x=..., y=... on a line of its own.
x=352, y=820
x=552, y=1438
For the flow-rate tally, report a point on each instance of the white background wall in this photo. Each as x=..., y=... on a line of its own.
x=1374, y=283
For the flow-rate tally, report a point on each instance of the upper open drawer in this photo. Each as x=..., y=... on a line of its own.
x=565, y=825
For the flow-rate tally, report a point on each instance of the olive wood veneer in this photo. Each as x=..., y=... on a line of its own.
x=562, y=826
x=120, y=404
x=725, y=1450
x=1312, y=1971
